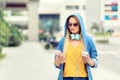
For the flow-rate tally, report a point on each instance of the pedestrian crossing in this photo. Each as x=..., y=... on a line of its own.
x=103, y=73
x=110, y=52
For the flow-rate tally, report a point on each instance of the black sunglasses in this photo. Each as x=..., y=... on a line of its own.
x=74, y=24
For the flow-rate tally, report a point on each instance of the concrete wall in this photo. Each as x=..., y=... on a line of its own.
x=92, y=12
x=33, y=21
x=49, y=8
x=66, y=12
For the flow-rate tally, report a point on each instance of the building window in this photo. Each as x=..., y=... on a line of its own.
x=113, y=7
x=18, y=13
x=111, y=11
x=48, y=26
x=72, y=7
x=111, y=17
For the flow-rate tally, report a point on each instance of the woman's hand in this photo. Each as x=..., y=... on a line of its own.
x=88, y=60
x=60, y=58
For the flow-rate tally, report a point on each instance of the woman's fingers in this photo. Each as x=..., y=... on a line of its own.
x=86, y=58
x=60, y=58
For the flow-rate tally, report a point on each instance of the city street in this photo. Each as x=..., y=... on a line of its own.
x=109, y=56
x=31, y=61
x=37, y=21
x=28, y=62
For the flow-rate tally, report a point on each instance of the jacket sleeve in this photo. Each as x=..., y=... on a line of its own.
x=60, y=47
x=61, y=44
x=93, y=51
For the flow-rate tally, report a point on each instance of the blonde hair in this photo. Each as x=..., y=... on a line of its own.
x=67, y=36
x=67, y=41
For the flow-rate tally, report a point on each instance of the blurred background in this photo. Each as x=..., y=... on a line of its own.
x=31, y=29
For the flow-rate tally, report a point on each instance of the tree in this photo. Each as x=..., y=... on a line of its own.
x=96, y=27
x=16, y=36
x=4, y=30
x=4, y=33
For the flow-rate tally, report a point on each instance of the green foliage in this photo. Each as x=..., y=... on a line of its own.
x=9, y=35
x=0, y=49
x=16, y=13
x=4, y=31
x=95, y=26
x=1, y=15
x=4, y=34
x=2, y=56
x=15, y=37
x=42, y=37
x=102, y=34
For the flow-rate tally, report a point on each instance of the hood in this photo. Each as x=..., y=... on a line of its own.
x=81, y=26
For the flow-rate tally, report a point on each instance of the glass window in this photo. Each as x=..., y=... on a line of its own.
x=72, y=7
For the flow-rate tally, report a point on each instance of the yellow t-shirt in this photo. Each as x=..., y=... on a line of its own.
x=74, y=65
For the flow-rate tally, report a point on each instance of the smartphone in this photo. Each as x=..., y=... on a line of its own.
x=85, y=53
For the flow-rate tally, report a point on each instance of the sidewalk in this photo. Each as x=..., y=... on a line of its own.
x=28, y=62
x=31, y=62
x=102, y=73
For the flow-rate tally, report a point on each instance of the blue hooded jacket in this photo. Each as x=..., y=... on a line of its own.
x=89, y=46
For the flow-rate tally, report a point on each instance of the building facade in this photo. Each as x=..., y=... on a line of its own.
x=110, y=14
x=61, y=10
x=31, y=7
x=53, y=14
x=70, y=6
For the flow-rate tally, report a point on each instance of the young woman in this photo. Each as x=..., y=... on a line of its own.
x=72, y=63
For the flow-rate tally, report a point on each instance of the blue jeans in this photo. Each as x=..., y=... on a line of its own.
x=75, y=78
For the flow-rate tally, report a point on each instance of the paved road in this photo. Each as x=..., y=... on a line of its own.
x=27, y=62
x=31, y=62
x=109, y=56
